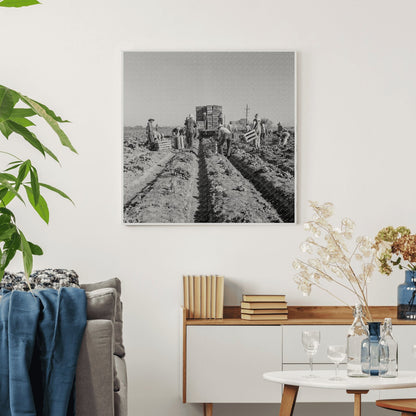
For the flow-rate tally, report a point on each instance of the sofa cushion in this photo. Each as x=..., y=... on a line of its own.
x=118, y=320
x=40, y=279
x=101, y=304
x=120, y=395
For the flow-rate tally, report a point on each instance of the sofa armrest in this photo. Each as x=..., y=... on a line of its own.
x=94, y=385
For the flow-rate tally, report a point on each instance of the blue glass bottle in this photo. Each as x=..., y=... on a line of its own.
x=370, y=353
x=406, y=293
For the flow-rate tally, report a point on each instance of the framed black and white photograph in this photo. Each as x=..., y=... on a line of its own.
x=209, y=137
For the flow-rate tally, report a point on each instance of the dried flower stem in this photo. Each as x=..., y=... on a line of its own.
x=334, y=262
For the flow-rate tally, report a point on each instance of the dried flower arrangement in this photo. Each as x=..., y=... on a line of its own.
x=335, y=258
x=394, y=245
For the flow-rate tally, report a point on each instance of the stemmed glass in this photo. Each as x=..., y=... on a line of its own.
x=337, y=354
x=310, y=342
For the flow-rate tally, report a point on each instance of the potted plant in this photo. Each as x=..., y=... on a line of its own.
x=19, y=180
x=396, y=247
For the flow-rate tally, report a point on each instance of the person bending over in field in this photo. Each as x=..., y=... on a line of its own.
x=224, y=135
x=191, y=131
x=284, y=137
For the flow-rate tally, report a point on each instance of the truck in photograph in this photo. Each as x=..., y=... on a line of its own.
x=208, y=118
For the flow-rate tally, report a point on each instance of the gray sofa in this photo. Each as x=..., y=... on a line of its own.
x=101, y=379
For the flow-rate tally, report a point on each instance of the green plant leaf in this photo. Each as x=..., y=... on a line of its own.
x=36, y=250
x=58, y=191
x=23, y=171
x=15, y=162
x=3, y=192
x=25, y=122
x=22, y=112
x=27, y=255
x=50, y=153
x=10, y=248
x=7, y=212
x=18, y=3
x=8, y=177
x=51, y=118
x=5, y=219
x=5, y=130
x=41, y=207
x=6, y=258
x=34, y=183
x=10, y=196
x=27, y=135
x=6, y=231
x=7, y=102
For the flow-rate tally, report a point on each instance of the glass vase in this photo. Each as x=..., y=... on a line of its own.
x=406, y=302
x=357, y=335
x=370, y=352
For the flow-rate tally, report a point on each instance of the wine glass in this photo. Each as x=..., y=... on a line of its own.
x=337, y=354
x=310, y=342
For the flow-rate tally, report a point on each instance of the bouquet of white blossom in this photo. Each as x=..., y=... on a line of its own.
x=335, y=258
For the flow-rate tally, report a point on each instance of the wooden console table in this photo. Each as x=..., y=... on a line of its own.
x=224, y=359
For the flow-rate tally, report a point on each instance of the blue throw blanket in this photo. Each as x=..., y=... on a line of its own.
x=40, y=338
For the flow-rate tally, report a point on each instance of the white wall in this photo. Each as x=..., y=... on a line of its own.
x=357, y=144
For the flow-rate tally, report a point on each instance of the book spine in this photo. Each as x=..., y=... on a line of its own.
x=191, y=296
x=197, y=295
x=186, y=294
x=209, y=295
x=214, y=297
x=203, y=297
x=220, y=297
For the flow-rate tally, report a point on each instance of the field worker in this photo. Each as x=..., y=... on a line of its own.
x=150, y=131
x=177, y=133
x=257, y=128
x=284, y=137
x=262, y=131
x=233, y=129
x=224, y=135
x=221, y=119
x=190, y=131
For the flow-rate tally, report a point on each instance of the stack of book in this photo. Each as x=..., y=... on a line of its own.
x=203, y=297
x=264, y=307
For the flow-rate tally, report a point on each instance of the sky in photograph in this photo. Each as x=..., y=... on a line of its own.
x=167, y=86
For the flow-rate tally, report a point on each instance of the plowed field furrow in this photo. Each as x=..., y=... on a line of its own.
x=172, y=197
x=231, y=198
x=143, y=167
x=277, y=157
x=203, y=213
x=276, y=187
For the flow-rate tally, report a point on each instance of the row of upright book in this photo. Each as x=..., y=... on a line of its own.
x=264, y=308
x=203, y=296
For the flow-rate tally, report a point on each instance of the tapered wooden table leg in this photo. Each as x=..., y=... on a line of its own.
x=208, y=409
x=357, y=400
x=288, y=400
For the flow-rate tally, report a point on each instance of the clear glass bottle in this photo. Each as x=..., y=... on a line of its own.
x=357, y=358
x=388, y=351
x=372, y=347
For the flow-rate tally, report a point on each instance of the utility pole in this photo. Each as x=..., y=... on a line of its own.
x=247, y=110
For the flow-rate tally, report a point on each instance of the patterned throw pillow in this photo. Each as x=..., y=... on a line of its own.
x=40, y=279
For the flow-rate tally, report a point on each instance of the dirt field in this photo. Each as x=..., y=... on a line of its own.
x=201, y=186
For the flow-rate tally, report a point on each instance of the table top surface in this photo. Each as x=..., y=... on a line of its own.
x=405, y=379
